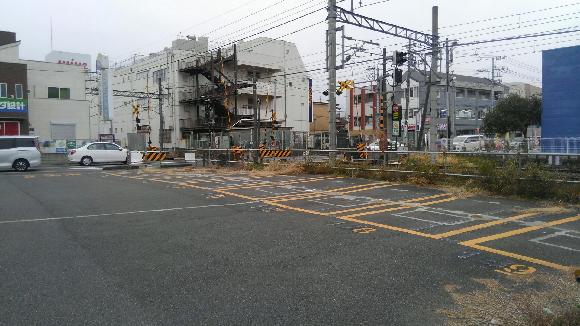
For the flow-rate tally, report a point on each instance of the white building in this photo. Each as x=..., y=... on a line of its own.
x=197, y=107
x=57, y=106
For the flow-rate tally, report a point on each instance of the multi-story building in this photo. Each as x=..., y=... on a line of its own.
x=13, y=86
x=45, y=99
x=469, y=97
x=363, y=112
x=200, y=107
x=524, y=89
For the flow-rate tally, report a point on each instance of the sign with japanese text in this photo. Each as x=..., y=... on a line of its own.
x=13, y=105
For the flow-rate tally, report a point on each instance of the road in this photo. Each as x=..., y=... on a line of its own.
x=181, y=246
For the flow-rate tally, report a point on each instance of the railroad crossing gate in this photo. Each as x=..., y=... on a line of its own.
x=274, y=153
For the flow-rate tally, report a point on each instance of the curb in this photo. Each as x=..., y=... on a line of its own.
x=121, y=167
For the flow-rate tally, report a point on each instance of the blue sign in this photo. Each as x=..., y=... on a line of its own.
x=11, y=105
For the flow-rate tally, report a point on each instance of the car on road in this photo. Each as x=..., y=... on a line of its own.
x=98, y=152
x=468, y=143
x=19, y=153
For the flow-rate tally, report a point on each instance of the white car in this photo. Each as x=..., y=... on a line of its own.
x=468, y=143
x=19, y=153
x=99, y=152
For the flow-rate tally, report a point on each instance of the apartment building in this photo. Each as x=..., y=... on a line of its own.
x=199, y=88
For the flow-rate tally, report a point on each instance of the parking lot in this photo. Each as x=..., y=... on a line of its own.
x=190, y=246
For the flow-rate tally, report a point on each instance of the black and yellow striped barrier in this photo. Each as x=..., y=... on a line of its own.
x=154, y=156
x=274, y=153
x=237, y=152
x=360, y=148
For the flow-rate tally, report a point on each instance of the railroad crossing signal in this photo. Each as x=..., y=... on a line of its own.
x=399, y=58
x=342, y=86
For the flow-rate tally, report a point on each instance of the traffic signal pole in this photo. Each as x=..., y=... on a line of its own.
x=384, y=105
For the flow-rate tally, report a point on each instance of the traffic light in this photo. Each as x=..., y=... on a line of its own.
x=398, y=76
x=399, y=58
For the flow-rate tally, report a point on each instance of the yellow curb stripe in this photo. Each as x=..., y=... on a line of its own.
x=484, y=225
x=521, y=231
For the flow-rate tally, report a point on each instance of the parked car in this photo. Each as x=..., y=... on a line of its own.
x=19, y=153
x=99, y=152
x=468, y=143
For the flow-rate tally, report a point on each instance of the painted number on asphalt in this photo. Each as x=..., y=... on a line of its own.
x=364, y=230
x=516, y=270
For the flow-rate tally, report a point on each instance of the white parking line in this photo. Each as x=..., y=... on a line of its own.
x=121, y=213
x=544, y=240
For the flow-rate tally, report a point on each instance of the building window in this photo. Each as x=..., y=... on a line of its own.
x=471, y=93
x=290, y=84
x=60, y=93
x=3, y=90
x=411, y=94
x=459, y=93
x=18, y=91
x=53, y=92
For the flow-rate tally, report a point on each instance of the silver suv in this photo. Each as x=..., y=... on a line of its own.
x=19, y=153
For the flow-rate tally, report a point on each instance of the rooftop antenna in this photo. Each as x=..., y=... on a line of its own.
x=51, y=48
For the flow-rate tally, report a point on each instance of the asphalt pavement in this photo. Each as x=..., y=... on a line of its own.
x=188, y=247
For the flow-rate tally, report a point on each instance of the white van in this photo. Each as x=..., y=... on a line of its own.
x=19, y=153
x=468, y=143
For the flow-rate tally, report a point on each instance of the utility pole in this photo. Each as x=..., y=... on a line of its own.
x=256, y=122
x=285, y=89
x=385, y=111
x=407, y=94
x=160, y=115
x=434, y=79
x=450, y=117
x=235, y=81
x=331, y=46
x=492, y=82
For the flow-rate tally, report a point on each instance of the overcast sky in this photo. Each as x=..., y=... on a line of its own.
x=122, y=28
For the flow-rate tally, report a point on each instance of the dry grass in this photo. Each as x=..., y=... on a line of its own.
x=538, y=300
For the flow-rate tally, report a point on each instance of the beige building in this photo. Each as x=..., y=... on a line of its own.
x=524, y=90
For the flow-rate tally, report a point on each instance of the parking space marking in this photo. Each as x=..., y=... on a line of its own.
x=389, y=207
x=362, y=208
x=485, y=225
x=403, y=207
x=369, y=188
x=521, y=231
x=542, y=240
x=463, y=219
x=517, y=256
x=476, y=243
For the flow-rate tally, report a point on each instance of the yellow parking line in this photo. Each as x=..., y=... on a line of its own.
x=413, y=200
x=385, y=226
x=484, y=225
x=369, y=188
x=297, y=197
x=516, y=256
x=392, y=209
x=362, y=208
x=356, y=186
x=521, y=231
x=297, y=209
